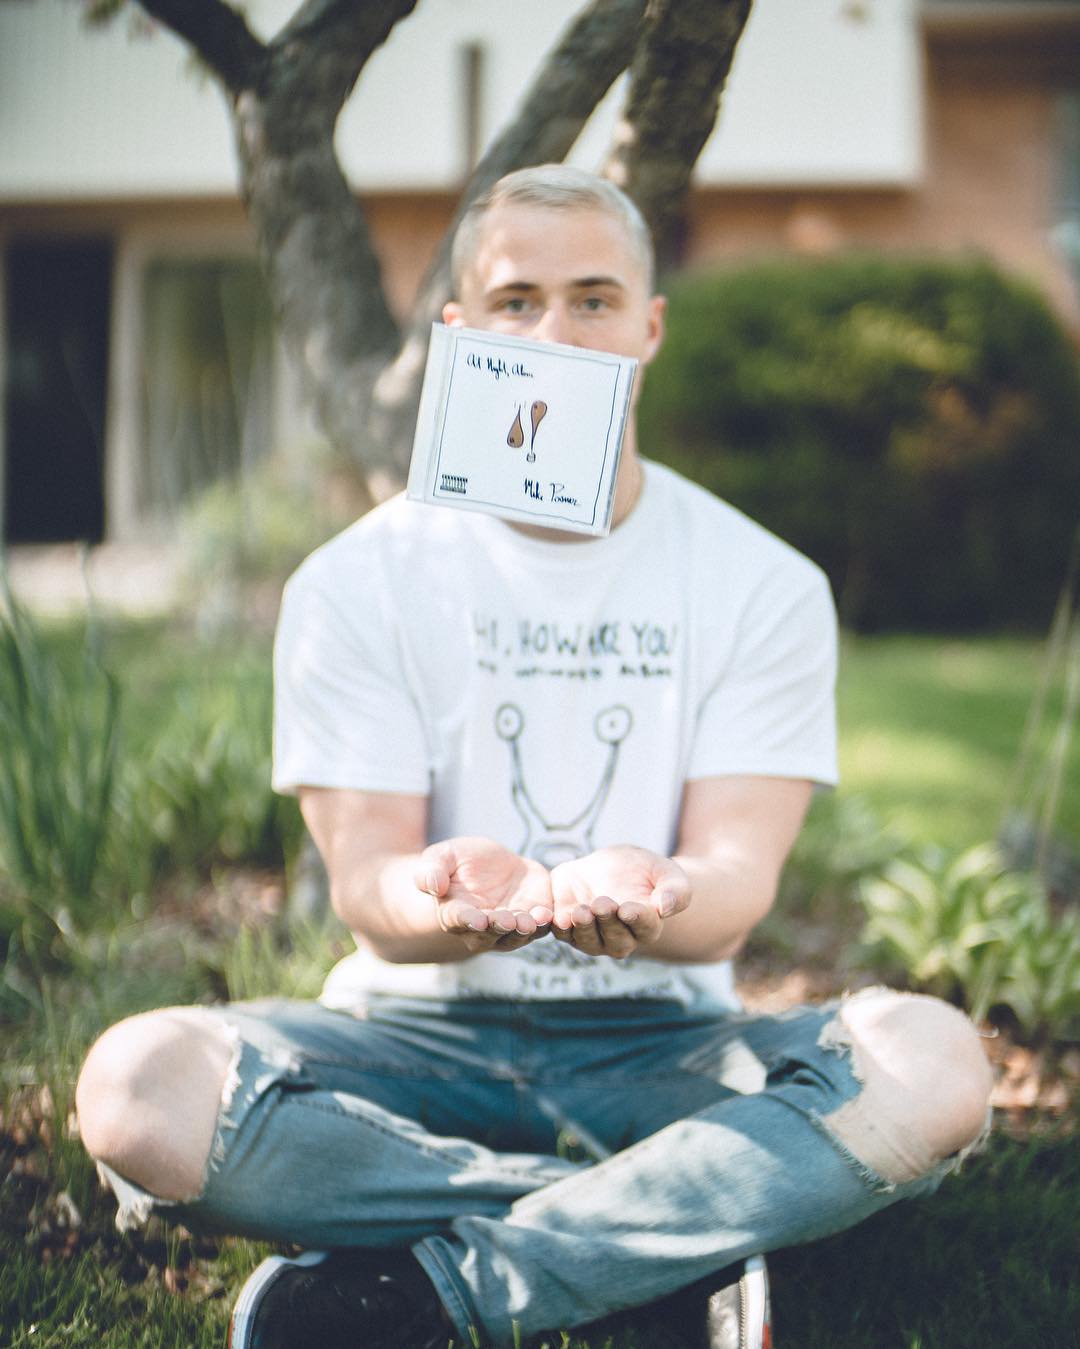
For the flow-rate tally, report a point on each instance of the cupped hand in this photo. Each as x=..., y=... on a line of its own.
x=485, y=894
x=615, y=901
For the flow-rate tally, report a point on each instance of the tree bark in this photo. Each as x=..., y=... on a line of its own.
x=362, y=378
x=575, y=76
x=676, y=79
x=324, y=276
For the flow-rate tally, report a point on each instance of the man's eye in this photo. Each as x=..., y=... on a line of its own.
x=593, y=304
x=514, y=305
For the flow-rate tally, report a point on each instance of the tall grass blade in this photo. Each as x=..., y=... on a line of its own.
x=59, y=732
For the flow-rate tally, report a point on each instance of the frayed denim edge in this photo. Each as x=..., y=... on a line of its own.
x=134, y=1205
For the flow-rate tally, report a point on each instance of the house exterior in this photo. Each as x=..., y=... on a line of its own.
x=137, y=357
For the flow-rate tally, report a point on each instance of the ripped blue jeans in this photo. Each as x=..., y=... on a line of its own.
x=548, y=1163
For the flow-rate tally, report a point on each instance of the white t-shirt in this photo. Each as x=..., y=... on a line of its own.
x=554, y=696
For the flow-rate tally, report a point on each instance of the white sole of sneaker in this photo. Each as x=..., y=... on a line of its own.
x=243, y=1314
x=756, y=1313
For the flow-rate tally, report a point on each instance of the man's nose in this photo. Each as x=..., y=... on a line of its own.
x=553, y=325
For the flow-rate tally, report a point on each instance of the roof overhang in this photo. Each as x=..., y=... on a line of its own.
x=1022, y=39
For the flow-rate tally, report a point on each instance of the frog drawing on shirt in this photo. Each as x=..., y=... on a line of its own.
x=547, y=841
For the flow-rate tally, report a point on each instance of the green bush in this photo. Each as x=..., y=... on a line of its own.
x=242, y=537
x=109, y=783
x=202, y=795
x=970, y=928
x=913, y=426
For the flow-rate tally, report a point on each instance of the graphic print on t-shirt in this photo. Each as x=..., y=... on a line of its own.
x=618, y=661
x=546, y=841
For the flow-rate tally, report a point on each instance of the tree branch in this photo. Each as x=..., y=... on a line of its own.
x=575, y=76
x=676, y=79
x=218, y=33
x=593, y=51
x=320, y=52
x=324, y=276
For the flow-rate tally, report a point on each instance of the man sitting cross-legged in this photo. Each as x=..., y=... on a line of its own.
x=548, y=858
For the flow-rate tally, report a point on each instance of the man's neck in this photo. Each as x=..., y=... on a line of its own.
x=629, y=482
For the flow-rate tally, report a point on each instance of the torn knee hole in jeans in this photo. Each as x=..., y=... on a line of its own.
x=868, y=1126
x=229, y=1088
x=135, y=1205
x=275, y=1062
x=878, y=1126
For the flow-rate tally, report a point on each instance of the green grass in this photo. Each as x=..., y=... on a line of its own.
x=159, y=662
x=989, y=1261
x=931, y=730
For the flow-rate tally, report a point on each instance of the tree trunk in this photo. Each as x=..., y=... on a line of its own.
x=676, y=79
x=361, y=375
x=574, y=77
x=324, y=276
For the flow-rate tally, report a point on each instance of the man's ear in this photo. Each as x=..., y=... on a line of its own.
x=452, y=314
x=657, y=310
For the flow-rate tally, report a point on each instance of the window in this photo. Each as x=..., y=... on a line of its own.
x=207, y=378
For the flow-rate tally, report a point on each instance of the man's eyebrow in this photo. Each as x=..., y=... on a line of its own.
x=579, y=283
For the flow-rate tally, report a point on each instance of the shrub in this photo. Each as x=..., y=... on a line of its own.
x=968, y=928
x=88, y=823
x=242, y=537
x=913, y=426
x=202, y=795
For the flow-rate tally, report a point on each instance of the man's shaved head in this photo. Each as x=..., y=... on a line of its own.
x=558, y=187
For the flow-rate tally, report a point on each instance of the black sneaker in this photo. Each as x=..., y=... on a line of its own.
x=339, y=1300
x=737, y=1312
x=726, y=1310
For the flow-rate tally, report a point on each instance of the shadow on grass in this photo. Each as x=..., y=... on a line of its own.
x=990, y=1261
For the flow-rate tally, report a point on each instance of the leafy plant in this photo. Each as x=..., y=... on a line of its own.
x=910, y=424
x=58, y=727
x=203, y=795
x=969, y=928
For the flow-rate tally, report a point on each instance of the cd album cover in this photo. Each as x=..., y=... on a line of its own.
x=530, y=431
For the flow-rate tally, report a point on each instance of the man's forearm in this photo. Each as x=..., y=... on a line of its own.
x=377, y=899
x=727, y=902
x=735, y=836
x=371, y=845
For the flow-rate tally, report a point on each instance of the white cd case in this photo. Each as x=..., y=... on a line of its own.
x=530, y=431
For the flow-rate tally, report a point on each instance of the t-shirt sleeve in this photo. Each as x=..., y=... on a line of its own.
x=771, y=711
x=343, y=714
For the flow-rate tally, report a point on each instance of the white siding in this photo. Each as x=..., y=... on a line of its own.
x=823, y=92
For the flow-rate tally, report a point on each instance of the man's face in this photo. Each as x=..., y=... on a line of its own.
x=568, y=276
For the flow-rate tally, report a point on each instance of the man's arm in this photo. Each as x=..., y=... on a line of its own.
x=734, y=836
x=411, y=904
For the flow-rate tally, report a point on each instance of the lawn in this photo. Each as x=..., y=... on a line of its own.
x=931, y=732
